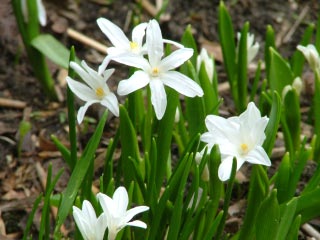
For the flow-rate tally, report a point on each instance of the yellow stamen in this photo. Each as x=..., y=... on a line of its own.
x=244, y=147
x=133, y=45
x=99, y=92
x=155, y=72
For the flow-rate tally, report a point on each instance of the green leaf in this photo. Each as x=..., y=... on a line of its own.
x=273, y=124
x=53, y=49
x=79, y=173
x=254, y=88
x=294, y=228
x=287, y=218
x=283, y=178
x=31, y=217
x=270, y=43
x=292, y=115
x=188, y=41
x=268, y=218
x=242, y=81
x=226, y=34
x=309, y=205
x=280, y=72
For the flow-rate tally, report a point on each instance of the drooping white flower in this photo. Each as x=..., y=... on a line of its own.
x=311, y=54
x=157, y=71
x=96, y=90
x=203, y=57
x=252, y=48
x=42, y=15
x=115, y=209
x=241, y=137
x=91, y=227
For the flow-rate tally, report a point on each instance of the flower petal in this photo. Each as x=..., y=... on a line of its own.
x=137, y=223
x=104, y=64
x=42, y=15
x=113, y=33
x=138, y=33
x=85, y=76
x=154, y=42
x=158, y=98
x=258, y=156
x=121, y=200
x=82, y=110
x=225, y=167
x=132, y=60
x=134, y=211
x=106, y=203
x=176, y=58
x=181, y=84
x=111, y=102
x=81, y=90
x=138, y=80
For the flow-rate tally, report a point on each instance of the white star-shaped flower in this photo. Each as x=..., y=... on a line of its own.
x=311, y=54
x=42, y=15
x=91, y=227
x=158, y=72
x=241, y=137
x=115, y=209
x=96, y=90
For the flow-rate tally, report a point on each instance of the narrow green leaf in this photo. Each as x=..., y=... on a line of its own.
x=292, y=115
x=227, y=36
x=65, y=152
x=254, y=88
x=317, y=43
x=79, y=173
x=52, y=49
x=270, y=43
x=31, y=217
x=268, y=218
x=294, y=228
x=287, y=219
x=242, y=81
x=280, y=72
x=309, y=205
x=273, y=124
x=214, y=227
x=188, y=41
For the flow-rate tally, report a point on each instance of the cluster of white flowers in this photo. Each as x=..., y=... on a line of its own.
x=153, y=70
x=240, y=137
x=114, y=216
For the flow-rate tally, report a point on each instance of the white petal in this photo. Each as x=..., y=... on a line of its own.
x=258, y=156
x=252, y=52
x=175, y=59
x=82, y=110
x=178, y=45
x=88, y=211
x=138, y=80
x=111, y=102
x=121, y=200
x=107, y=73
x=132, y=60
x=224, y=170
x=137, y=223
x=138, y=33
x=105, y=201
x=104, y=64
x=158, y=98
x=83, y=74
x=42, y=15
x=134, y=211
x=113, y=32
x=181, y=84
x=154, y=43
x=81, y=90
x=101, y=226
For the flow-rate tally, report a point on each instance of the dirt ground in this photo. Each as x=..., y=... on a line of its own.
x=21, y=171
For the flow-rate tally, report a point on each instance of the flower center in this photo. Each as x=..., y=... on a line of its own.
x=155, y=72
x=99, y=92
x=244, y=148
x=133, y=45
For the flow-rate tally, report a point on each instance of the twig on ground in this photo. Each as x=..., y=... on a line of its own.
x=86, y=40
x=10, y=103
x=311, y=231
x=153, y=11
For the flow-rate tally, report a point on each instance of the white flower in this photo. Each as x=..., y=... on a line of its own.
x=116, y=212
x=42, y=15
x=252, y=48
x=121, y=44
x=96, y=90
x=157, y=71
x=297, y=85
x=241, y=137
x=208, y=63
x=91, y=227
x=311, y=54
